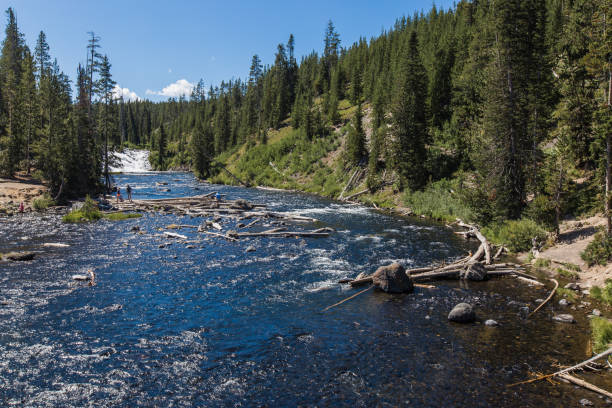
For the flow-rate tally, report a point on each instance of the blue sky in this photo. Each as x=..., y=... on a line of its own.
x=158, y=48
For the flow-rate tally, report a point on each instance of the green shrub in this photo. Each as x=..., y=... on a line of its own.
x=516, y=235
x=43, y=202
x=567, y=293
x=604, y=294
x=438, y=201
x=567, y=274
x=599, y=251
x=542, y=263
x=88, y=212
x=601, y=334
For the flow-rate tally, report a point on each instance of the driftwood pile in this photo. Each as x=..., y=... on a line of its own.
x=204, y=206
x=475, y=267
x=237, y=210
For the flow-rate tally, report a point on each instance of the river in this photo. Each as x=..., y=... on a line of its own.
x=211, y=325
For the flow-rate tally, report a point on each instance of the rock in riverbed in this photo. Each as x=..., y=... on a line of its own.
x=392, y=279
x=572, y=286
x=564, y=318
x=19, y=256
x=491, y=323
x=462, y=313
x=250, y=248
x=564, y=302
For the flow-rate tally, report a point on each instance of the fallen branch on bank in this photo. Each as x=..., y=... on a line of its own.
x=552, y=293
x=566, y=370
x=587, y=385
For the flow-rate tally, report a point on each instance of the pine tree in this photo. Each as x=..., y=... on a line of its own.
x=161, y=146
x=510, y=143
x=11, y=60
x=104, y=87
x=410, y=117
x=28, y=106
x=355, y=142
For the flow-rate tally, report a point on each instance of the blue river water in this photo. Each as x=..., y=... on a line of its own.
x=204, y=323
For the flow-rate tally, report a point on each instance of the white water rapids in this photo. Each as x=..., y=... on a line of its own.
x=132, y=161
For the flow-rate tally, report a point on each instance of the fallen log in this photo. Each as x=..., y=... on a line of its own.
x=587, y=385
x=356, y=194
x=220, y=235
x=55, y=245
x=250, y=224
x=348, y=298
x=286, y=234
x=173, y=235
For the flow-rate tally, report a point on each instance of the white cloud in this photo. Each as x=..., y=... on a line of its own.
x=127, y=95
x=179, y=88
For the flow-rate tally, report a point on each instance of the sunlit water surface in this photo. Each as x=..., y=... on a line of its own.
x=216, y=326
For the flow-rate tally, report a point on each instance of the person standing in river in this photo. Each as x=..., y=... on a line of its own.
x=119, y=195
x=129, y=192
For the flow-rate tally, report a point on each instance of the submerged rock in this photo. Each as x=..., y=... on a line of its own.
x=250, y=248
x=585, y=402
x=20, y=256
x=392, y=279
x=572, y=286
x=564, y=302
x=474, y=272
x=564, y=318
x=491, y=323
x=462, y=313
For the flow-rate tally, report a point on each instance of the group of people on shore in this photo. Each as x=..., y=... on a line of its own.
x=128, y=189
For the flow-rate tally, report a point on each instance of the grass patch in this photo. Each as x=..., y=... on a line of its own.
x=438, y=201
x=571, y=267
x=604, y=295
x=567, y=274
x=120, y=216
x=43, y=202
x=567, y=293
x=88, y=212
x=516, y=235
x=542, y=263
x=601, y=334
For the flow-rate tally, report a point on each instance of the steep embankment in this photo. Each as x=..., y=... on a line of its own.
x=290, y=160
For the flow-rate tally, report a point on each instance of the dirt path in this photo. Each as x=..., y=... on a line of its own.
x=21, y=188
x=574, y=238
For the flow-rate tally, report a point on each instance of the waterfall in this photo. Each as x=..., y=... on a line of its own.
x=132, y=161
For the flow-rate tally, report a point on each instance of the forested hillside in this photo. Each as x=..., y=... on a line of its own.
x=500, y=108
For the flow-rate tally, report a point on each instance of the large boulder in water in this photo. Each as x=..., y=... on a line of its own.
x=392, y=279
x=474, y=272
x=462, y=313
